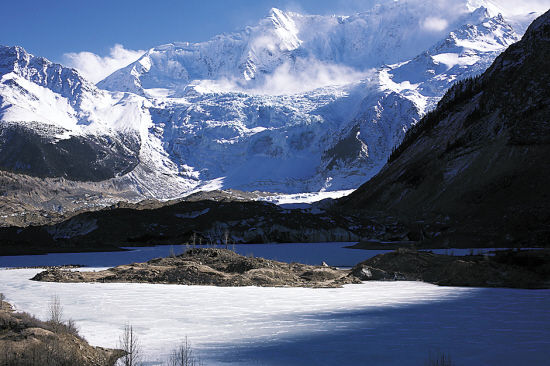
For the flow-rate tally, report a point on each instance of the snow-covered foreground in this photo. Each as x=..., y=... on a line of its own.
x=375, y=323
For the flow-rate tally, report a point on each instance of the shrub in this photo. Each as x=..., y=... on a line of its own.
x=55, y=311
x=183, y=355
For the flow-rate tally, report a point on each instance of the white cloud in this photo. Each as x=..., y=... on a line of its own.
x=289, y=78
x=305, y=75
x=515, y=7
x=435, y=24
x=95, y=68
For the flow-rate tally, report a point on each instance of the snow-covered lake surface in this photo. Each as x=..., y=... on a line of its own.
x=375, y=323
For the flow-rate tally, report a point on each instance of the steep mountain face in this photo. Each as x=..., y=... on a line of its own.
x=50, y=124
x=480, y=159
x=297, y=103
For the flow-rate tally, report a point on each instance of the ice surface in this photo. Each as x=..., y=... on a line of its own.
x=334, y=254
x=380, y=323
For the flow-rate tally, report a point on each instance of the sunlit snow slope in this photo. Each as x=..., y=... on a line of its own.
x=296, y=103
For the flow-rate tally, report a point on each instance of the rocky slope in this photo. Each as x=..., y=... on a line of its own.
x=477, y=166
x=219, y=267
x=523, y=269
x=27, y=341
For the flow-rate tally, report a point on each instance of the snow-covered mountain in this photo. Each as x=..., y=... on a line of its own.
x=297, y=103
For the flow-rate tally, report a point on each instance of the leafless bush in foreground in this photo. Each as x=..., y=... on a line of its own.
x=183, y=355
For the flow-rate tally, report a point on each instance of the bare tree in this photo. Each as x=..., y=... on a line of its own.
x=129, y=343
x=226, y=237
x=55, y=310
x=210, y=238
x=183, y=355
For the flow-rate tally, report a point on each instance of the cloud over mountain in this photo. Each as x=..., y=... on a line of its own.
x=95, y=67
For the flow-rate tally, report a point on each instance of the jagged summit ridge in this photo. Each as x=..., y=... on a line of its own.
x=38, y=70
x=388, y=34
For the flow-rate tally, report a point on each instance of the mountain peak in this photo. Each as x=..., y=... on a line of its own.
x=276, y=12
x=10, y=57
x=39, y=70
x=484, y=6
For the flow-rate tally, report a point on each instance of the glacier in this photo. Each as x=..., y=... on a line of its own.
x=294, y=104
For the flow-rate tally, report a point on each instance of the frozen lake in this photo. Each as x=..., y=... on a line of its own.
x=334, y=254
x=375, y=323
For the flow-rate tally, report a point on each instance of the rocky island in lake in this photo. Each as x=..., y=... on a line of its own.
x=210, y=266
x=222, y=267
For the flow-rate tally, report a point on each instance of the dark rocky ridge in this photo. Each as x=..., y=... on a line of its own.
x=156, y=223
x=34, y=152
x=219, y=267
x=516, y=269
x=476, y=169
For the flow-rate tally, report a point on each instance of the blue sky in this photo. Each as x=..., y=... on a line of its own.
x=52, y=28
